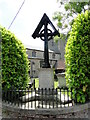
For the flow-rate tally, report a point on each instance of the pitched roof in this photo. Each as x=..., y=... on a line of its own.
x=38, y=48
x=60, y=64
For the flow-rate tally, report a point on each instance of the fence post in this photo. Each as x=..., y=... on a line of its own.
x=35, y=97
x=12, y=95
x=60, y=97
x=68, y=95
x=34, y=84
x=64, y=96
x=8, y=96
x=56, y=98
x=76, y=96
x=42, y=97
x=46, y=97
x=53, y=96
x=31, y=97
x=15, y=96
x=18, y=96
x=21, y=94
x=5, y=95
x=71, y=97
x=49, y=98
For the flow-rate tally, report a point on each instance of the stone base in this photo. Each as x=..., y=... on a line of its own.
x=61, y=79
x=46, y=78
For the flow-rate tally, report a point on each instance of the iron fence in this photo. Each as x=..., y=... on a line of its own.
x=29, y=98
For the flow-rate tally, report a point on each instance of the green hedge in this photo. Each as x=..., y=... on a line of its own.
x=77, y=58
x=15, y=64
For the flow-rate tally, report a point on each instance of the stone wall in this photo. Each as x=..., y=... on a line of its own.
x=78, y=111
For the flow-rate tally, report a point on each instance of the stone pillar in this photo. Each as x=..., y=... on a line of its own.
x=46, y=78
x=61, y=79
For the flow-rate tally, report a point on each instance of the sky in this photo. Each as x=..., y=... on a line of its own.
x=27, y=19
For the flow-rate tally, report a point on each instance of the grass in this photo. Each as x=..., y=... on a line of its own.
x=37, y=83
x=55, y=84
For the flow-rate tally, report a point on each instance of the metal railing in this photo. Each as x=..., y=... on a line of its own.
x=29, y=98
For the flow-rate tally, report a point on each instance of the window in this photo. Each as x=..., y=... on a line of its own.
x=53, y=55
x=33, y=54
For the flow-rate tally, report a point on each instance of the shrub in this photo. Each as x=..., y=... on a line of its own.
x=77, y=58
x=15, y=64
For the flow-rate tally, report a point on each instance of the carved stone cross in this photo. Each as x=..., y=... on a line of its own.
x=45, y=35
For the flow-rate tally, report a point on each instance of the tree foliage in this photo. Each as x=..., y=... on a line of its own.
x=14, y=61
x=77, y=57
x=68, y=11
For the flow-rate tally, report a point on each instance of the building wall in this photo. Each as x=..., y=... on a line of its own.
x=40, y=54
x=61, y=47
x=36, y=60
x=52, y=45
x=58, y=47
x=56, y=53
x=34, y=67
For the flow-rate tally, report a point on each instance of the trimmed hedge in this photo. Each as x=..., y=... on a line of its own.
x=77, y=58
x=15, y=64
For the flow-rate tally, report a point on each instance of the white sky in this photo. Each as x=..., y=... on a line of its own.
x=28, y=18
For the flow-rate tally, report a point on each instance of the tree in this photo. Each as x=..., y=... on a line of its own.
x=68, y=11
x=15, y=64
x=77, y=58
